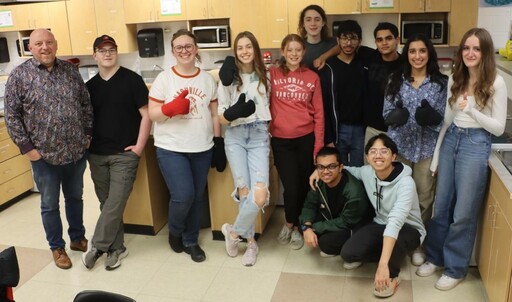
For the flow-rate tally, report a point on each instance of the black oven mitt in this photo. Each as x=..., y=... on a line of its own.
x=227, y=71
x=219, y=154
x=426, y=115
x=398, y=116
x=240, y=109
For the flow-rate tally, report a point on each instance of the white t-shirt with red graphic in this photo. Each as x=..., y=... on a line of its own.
x=192, y=132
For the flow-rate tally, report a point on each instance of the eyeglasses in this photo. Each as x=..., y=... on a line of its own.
x=387, y=38
x=180, y=48
x=381, y=151
x=353, y=39
x=103, y=51
x=330, y=168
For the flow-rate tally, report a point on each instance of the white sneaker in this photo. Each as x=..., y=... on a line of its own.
x=296, y=241
x=249, y=258
x=427, y=269
x=418, y=257
x=447, y=283
x=285, y=235
x=352, y=265
x=324, y=255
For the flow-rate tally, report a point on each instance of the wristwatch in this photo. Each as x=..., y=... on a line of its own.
x=304, y=227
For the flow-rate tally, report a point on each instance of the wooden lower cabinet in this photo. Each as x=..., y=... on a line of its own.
x=224, y=209
x=15, y=171
x=495, y=250
x=147, y=207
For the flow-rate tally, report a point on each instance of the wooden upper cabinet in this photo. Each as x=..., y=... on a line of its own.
x=267, y=20
x=137, y=11
x=38, y=15
x=60, y=27
x=412, y=6
x=420, y=6
x=367, y=8
x=295, y=7
x=110, y=21
x=12, y=12
x=276, y=24
x=27, y=16
x=163, y=14
x=336, y=7
x=248, y=19
x=436, y=5
x=82, y=25
x=462, y=17
x=207, y=9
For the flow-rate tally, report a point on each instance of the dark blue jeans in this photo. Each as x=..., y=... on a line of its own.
x=49, y=179
x=185, y=175
x=351, y=144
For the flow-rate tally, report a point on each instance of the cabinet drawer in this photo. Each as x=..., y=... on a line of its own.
x=16, y=186
x=8, y=149
x=13, y=167
x=3, y=131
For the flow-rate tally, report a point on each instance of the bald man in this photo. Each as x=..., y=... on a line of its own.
x=49, y=116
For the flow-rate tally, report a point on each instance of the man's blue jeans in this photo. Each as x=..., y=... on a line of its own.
x=185, y=175
x=49, y=179
x=461, y=183
x=351, y=144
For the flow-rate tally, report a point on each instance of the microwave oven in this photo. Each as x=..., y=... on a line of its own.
x=22, y=47
x=211, y=36
x=433, y=29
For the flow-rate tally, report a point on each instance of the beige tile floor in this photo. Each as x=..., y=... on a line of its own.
x=152, y=273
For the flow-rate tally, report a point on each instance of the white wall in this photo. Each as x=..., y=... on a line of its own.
x=497, y=20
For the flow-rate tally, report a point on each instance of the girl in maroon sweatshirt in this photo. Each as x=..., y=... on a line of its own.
x=297, y=130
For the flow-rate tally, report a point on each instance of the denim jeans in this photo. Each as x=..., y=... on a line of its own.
x=185, y=175
x=247, y=150
x=462, y=180
x=351, y=144
x=113, y=177
x=49, y=179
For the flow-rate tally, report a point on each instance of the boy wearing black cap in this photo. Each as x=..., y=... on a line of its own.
x=121, y=128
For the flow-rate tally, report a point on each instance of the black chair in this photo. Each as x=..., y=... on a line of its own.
x=9, y=274
x=100, y=296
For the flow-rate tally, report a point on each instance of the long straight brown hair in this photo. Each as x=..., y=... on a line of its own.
x=257, y=63
x=486, y=69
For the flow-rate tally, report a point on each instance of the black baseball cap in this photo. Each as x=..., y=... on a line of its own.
x=103, y=40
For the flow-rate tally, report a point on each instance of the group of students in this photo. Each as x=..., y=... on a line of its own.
x=438, y=131
x=323, y=111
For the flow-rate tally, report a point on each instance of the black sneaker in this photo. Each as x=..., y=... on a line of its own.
x=196, y=253
x=176, y=243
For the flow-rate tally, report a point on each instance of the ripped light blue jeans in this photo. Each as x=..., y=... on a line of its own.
x=247, y=150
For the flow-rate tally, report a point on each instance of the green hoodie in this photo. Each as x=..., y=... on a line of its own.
x=352, y=205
